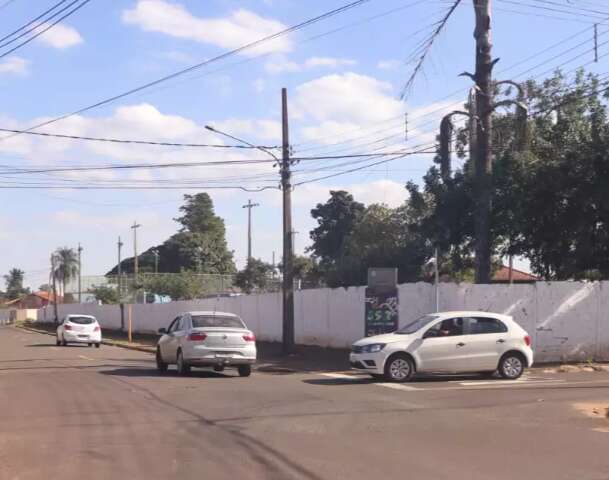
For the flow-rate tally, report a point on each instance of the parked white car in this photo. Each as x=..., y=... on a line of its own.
x=448, y=342
x=79, y=329
x=206, y=339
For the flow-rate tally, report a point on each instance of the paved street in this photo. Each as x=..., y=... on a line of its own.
x=77, y=412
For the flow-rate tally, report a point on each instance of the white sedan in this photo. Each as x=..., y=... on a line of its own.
x=79, y=329
x=206, y=339
x=448, y=342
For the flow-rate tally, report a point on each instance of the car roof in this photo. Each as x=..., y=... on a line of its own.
x=210, y=313
x=472, y=313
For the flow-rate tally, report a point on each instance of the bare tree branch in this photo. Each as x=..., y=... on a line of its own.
x=427, y=48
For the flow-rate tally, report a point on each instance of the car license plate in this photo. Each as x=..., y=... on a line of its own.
x=223, y=355
x=83, y=336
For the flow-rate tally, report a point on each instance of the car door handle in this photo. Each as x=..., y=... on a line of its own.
x=501, y=340
x=460, y=344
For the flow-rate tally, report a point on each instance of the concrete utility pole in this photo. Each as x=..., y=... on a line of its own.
x=249, y=207
x=136, y=264
x=155, y=252
x=54, y=280
x=288, y=253
x=79, y=273
x=483, y=168
x=120, y=247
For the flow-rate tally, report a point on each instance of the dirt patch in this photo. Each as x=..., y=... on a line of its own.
x=596, y=410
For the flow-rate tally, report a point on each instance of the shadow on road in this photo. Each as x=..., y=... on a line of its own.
x=73, y=345
x=153, y=372
x=363, y=379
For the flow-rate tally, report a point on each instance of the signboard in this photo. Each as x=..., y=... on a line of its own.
x=382, y=313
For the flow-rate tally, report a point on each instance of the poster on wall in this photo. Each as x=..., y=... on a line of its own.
x=382, y=314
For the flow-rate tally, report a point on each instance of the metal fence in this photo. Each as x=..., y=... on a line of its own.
x=208, y=283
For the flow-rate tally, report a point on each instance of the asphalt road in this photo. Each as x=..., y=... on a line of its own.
x=78, y=412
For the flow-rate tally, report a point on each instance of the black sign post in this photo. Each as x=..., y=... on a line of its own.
x=382, y=312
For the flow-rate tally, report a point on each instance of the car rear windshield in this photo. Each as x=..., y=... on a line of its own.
x=416, y=325
x=81, y=320
x=199, y=321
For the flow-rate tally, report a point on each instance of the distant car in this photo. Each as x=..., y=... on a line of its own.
x=206, y=339
x=79, y=329
x=449, y=342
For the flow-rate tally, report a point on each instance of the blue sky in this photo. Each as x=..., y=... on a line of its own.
x=344, y=87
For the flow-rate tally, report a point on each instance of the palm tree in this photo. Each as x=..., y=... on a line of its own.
x=65, y=265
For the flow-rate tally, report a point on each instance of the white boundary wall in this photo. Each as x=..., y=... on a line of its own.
x=567, y=320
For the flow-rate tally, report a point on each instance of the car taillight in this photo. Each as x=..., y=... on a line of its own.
x=67, y=327
x=97, y=329
x=249, y=338
x=527, y=340
x=197, y=337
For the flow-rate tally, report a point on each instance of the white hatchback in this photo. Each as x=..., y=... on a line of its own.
x=79, y=329
x=448, y=342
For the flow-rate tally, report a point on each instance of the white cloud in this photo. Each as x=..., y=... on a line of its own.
x=388, y=192
x=260, y=85
x=269, y=130
x=340, y=107
x=60, y=36
x=178, y=57
x=14, y=66
x=282, y=65
x=389, y=64
x=238, y=29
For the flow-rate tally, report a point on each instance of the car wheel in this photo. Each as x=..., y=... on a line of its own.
x=244, y=370
x=399, y=368
x=511, y=366
x=161, y=366
x=63, y=342
x=97, y=345
x=57, y=341
x=183, y=368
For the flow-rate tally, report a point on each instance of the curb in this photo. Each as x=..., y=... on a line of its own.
x=109, y=343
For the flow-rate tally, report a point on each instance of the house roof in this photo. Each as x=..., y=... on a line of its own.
x=46, y=295
x=503, y=275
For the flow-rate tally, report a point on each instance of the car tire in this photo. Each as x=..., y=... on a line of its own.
x=57, y=341
x=244, y=370
x=183, y=368
x=511, y=366
x=63, y=342
x=161, y=366
x=399, y=368
x=97, y=345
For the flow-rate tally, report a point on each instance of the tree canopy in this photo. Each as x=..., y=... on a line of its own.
x=199, y=245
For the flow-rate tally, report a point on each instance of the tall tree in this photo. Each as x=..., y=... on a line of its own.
x=66, y=266
x=336, y=220
x=14, y=283
x=199, y=246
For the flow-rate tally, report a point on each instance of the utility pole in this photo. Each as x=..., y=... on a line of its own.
x=54, y=280
x=120, y=247
x=136, y=264
x=79, y=273
x=288, y=272
x=249, y=207
x=437, y=277
x=484, y=104
x=155, y=252
x=120, y=290
x=293, y=237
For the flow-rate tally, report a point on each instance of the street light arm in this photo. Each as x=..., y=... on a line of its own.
x=262, y=149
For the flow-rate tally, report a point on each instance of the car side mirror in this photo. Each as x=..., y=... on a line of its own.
x=162, y=331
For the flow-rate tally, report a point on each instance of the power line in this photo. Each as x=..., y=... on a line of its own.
x=45, y=29
x=217, y=58
x=32, y=22
x=137, y=142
